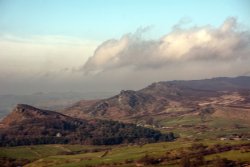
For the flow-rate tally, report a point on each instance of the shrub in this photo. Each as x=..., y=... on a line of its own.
x=147, y=160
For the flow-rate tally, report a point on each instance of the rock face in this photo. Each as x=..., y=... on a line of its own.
x=127, y=103
x=160, y=97
x=29, y=125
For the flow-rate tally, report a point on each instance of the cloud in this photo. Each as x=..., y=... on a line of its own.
x=51, y=63
x=226, y=43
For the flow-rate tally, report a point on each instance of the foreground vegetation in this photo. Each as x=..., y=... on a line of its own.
x=176, y=153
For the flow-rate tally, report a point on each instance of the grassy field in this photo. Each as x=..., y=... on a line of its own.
x=236, y=155
x=121, y=155
x=193, y=127
x=40, y=151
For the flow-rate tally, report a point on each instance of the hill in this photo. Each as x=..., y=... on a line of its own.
x=29, y=125
x=189, y=107
x=159, y=97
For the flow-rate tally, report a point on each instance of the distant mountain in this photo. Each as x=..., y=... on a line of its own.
x=159, y=97
x=217, y=84
x=29, y=125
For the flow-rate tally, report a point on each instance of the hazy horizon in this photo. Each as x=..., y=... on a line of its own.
x=80, y=46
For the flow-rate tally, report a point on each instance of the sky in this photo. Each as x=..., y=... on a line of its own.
x=111, y=45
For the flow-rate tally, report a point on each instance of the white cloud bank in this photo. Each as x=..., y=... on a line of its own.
x=47, y=63
x=195, y=45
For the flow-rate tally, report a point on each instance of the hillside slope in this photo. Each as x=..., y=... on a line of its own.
x=190, y=107
x=162, y=96
x=29, y=125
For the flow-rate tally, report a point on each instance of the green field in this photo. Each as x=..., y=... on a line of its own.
x=211, y=128
x=120, y=155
